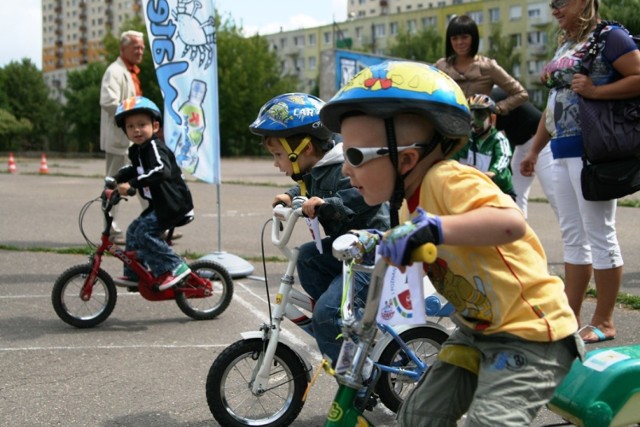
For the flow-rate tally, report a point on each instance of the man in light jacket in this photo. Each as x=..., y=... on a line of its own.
x=120, y=81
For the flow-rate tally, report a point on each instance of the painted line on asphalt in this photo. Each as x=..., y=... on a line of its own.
x=113, y=347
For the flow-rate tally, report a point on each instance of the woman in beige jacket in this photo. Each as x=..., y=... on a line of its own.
x=476, y=73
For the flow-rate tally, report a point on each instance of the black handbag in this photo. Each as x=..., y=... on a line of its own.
x=610, y=180
x=610, y=129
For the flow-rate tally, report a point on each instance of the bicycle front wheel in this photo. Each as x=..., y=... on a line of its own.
x=425, y=342
x=69, y=305
x=231, y=377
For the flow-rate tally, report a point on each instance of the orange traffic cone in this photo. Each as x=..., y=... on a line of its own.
x=12, y=164
x=43, y=165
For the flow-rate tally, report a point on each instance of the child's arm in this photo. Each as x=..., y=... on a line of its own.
x=501, y=155
x=485, y=226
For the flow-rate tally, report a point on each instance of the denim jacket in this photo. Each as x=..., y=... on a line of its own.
x=345, y=209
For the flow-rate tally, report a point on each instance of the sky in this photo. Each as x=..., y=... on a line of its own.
x=21, y=21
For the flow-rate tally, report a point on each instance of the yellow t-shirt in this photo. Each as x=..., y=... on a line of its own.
x=505, y=288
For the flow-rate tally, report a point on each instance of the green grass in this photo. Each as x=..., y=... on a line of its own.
x=625, y=300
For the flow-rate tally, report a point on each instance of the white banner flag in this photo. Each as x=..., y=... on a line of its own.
x=402, y=299
x=182, y=37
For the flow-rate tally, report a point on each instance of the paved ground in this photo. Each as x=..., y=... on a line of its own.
x=147, y=364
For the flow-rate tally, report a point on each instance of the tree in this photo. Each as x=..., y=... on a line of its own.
x=625, y=11
x=502, y=49
x=83, y=107
x=27, y=97
x=12, y=131
x=248, y=76
x=426, y=45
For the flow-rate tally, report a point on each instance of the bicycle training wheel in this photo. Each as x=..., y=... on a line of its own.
x=211, y=306
x=67, y=301
x=425, y=342
x=231, y=376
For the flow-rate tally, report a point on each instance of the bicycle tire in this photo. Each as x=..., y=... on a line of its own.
x=425, y=341
x=68, y=305
x=212, y=306
x=230, y=378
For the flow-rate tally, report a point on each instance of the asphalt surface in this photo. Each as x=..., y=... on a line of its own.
x=147, y=364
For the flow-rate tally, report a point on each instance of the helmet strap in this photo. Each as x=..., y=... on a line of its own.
x=398, y=191
x=293, y=158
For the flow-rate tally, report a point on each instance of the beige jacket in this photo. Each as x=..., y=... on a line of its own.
x=117, y=85
x=480, y=78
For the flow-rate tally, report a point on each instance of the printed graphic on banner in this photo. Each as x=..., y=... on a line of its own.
x=402, y=299
x=183, y=46
x=314, y=228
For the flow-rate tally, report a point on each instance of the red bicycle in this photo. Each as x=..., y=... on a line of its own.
x=85, y=294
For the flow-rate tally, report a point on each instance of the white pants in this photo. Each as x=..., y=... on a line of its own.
x=588, y=228
x=543, y=170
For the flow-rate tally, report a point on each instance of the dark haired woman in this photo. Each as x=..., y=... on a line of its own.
x=475, y=73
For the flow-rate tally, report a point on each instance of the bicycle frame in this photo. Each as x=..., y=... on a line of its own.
x=359, y=336
x=148, y=283
x=284, y=221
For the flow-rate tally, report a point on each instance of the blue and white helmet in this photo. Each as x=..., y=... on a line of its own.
x=291, y=114
x=136, y=104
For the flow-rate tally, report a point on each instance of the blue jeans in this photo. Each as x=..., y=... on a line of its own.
x=327, y=322
x=143, y=236
x=316, y=271
x=321, y=277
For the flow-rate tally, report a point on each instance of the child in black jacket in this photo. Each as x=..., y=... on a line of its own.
x=154, y=173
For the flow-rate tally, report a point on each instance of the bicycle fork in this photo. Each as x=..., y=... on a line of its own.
x=271, y=332
x=87, y=288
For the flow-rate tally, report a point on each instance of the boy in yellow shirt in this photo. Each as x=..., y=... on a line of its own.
x=516, y=339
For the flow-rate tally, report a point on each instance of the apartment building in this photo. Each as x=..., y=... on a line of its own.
x=527, y=22
x=73, y=30
x=364, y=8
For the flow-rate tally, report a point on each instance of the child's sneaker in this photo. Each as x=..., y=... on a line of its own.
x=175, y=276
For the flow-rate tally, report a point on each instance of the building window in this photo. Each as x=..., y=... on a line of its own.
x=299, y=64
x=494, y=15
x=379, y=30
x=515, y=13
x=393, y=28
x=327, y=38
x=516, y=39
x=312, y=62
x=412, y=26
x=430, y=21
x=477, y=16
x=312, y=39
x=298, y=41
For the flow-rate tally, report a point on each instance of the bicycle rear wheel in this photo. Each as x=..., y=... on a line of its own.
x=209, y=307
x=425, y=342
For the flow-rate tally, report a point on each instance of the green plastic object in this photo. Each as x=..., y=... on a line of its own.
x=604, y=390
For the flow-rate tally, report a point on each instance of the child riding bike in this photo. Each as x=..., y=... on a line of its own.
x=516, y=335
x=154, y=173
x=305, y=150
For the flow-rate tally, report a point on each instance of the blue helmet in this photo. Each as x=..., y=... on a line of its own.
x=393, y=87
x=291, y=114
x=136, y=104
